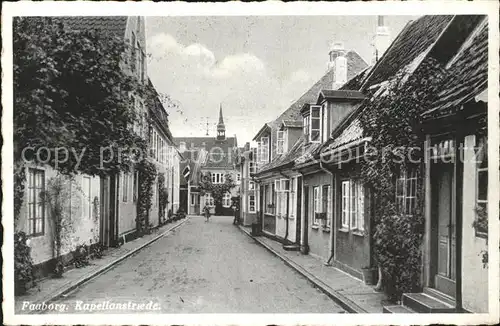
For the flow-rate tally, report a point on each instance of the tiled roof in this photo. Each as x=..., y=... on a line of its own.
x=467, y=75
x=356, y=82
x=415, y=38
x=286, y=158
x=114, y=25
x=352, y=132
x=292, y=123
x=309, y=152
x=223, y=157
x=354, y=64
x=340, y=94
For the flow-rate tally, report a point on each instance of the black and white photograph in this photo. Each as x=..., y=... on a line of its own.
x=322, y=163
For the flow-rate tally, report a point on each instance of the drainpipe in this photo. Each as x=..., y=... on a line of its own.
x=304, y=246
x=332, y=237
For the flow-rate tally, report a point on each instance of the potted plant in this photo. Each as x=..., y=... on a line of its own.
x=369, y=275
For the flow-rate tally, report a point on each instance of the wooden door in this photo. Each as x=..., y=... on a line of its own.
x=445, y=221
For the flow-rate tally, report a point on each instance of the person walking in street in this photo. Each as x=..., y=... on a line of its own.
x=206, y=212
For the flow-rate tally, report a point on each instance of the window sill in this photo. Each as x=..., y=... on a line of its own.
x=315, y=227
x=345, y=230
x=326, y=229
x=358, y=233
x=481, y=235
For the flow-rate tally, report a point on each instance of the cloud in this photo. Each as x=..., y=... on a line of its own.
x=196, y=78
x=237, y=64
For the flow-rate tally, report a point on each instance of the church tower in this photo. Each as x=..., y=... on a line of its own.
x=221, y=129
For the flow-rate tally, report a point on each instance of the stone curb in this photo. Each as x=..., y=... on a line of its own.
x=105, y=268
x=340, y=299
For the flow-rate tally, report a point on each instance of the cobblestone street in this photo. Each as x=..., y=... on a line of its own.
x=204, y=268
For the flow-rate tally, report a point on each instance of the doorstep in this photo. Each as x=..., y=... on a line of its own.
x=350, y=293
x=50, y=289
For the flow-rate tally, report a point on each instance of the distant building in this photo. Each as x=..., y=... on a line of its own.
x=213, y=158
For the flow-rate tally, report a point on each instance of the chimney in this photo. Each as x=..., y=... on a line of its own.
x=335, y=49
x=339, y=65
x=382, y=39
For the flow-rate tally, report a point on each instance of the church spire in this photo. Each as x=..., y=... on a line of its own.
x=221, y=119
x=221, y=128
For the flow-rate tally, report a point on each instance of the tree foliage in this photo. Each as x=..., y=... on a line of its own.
x=216, y=189
x=147, y=176
x=393, y=121
x=71, y=92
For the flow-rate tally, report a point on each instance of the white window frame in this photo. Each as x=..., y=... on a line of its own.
x=292, y=210
x=316, y=203
x=311, y=109
x=479, y=158
x=280, y=148
x=238, y=178
x=226, y=200
x=251, y=185
x=125, y=186
x=345, y=196
x=324, y=122
x=210, y=199
x=265, y=150
x=35, y=210
x=404, y=178
x=352, y=205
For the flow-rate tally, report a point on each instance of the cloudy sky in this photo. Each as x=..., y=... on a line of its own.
x=254, y=66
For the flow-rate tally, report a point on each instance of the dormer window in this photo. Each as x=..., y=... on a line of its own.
x=263, y=150
x=315, y=124
x=281, y=146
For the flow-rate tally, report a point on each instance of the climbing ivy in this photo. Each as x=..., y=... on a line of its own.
x=393, y=120
x=163, y=196
x=147, y=176
x=216, y=189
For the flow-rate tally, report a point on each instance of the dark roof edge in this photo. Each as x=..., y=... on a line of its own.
x=379, y=62
x=261, y=131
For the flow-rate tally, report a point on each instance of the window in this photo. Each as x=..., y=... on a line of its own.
x=251, y=185
x=125, y=186
x=226, y=200
x=251, y=203
x=482, y=186
x=36, y=204
x=281, y=186
x=209, y=200
x=326, y=203
x=182, y=146
x=317, y=204
x=253, y=165
x=281, y=143
x=406, y=192
x=324, y=121
x=315, y=126
x=238, y=178
x=292, y=210
x=268, y=197
x=134, y=192
x=264, y=157
x=307, y=122
x=352, y=205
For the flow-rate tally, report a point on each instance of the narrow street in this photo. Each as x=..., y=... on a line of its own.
x=204, y=268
